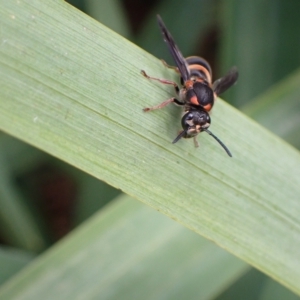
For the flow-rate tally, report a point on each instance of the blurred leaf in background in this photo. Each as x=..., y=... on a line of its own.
x=43, y=198
x=259, y=37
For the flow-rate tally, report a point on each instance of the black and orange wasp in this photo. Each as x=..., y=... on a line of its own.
x=197, y=94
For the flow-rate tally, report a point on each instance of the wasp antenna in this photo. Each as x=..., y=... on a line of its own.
x=219, y=141
x=179, y=136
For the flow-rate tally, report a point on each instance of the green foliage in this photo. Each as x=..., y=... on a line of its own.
x=72, y=88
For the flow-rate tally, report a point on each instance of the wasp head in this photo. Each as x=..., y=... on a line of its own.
x=193, y=122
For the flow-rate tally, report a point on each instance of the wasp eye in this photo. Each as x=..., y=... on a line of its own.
x=189, y=116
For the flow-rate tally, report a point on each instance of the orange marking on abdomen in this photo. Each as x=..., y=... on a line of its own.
x=202, y=69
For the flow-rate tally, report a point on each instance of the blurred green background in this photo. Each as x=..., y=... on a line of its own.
x=42, y=199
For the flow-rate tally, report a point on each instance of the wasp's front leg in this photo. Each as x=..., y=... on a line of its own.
x=195, y=141
x=163, y=104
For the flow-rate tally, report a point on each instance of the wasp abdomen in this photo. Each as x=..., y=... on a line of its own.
x=199, y=67
x=197, y=60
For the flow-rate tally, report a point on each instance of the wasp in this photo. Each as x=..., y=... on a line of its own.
x=197, y=94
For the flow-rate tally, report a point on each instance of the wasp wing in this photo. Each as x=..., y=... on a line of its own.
x=222, y=84
x=175, y=52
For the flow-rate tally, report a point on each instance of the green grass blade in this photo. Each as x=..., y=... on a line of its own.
x=128, y=251
x=92, y=194
x=17, y=222
x=278, y=109
x=20, y=156
x=247, y=287
x=103, y=11
x=12, y=261
x=177, y=18
x=259, y=37
x=256, y=285
x=272, y=291
x=72, y=88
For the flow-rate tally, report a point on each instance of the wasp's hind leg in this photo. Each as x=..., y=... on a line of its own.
x=169, y=66
x=163, y=104
x=164, y=81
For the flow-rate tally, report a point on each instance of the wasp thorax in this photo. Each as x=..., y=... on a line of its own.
x=201, y=94
x=194, y=122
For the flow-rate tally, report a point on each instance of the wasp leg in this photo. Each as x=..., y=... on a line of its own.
x=164, y=81
x=195, y=141
x=165, y=103
x=169, y=66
